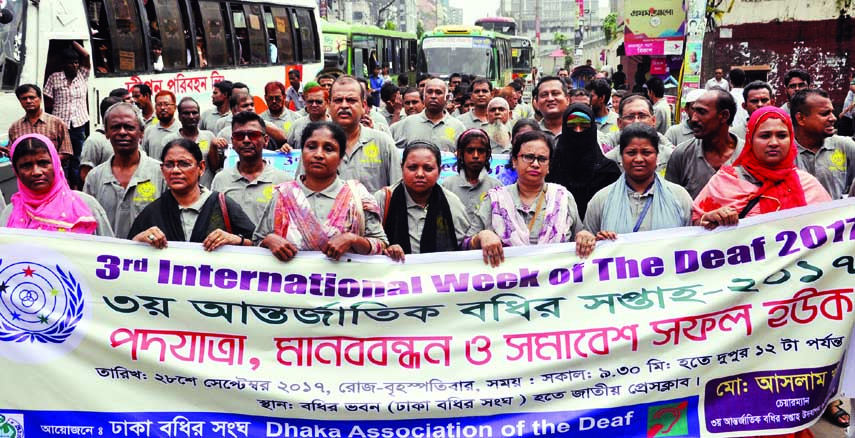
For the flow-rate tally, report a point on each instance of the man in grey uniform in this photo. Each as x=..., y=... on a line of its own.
x=130, y=180
x=432, y=124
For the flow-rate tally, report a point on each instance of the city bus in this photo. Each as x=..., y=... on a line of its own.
x=522, y=55
x=505, y=25
x=466, y=49
x=204, y=41
x=355, y=50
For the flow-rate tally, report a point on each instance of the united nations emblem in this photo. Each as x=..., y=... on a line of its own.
x=38, y=304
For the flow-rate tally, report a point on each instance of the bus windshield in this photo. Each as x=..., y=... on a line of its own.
x=521, y=59
x=446, y=55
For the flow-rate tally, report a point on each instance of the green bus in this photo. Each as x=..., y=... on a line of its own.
x=355, y=49
x=466, y=49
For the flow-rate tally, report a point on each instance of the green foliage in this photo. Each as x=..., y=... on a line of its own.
x=563, y=43
x=610, y=26
x=390, y=25
x=420, y=29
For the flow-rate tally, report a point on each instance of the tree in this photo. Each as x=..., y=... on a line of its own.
x=420, y=29
x=562, y=42
x=390, y=25
x=610, y=26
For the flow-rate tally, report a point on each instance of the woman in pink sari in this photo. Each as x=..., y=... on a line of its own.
x=44, y=201
x=319, y=211
x=763, y=179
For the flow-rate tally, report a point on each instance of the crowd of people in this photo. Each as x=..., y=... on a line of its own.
x=591, y=163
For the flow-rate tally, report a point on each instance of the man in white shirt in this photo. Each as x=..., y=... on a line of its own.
x=718, y=81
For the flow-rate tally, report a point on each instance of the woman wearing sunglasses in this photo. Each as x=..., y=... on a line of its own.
x=529, y=212
x=189, y=212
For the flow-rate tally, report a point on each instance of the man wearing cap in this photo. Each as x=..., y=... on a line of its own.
x=683, y=132
x=498, y=113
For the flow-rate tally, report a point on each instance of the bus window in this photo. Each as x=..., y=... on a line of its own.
x=241, y=34
x=281, y=25
x=307, y=32
x=258, y=47
x=128, y=50
x=102, y=53
x=212, y=47
x=165, y=23
x=11, y=38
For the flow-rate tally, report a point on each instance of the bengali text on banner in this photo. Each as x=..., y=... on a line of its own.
x=685, y=332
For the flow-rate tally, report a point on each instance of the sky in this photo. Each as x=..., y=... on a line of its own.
x=474, y=9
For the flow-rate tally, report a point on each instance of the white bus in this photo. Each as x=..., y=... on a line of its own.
x=204, y=41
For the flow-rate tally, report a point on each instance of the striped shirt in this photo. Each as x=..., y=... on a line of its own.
x=69, y=100
x=50, y=126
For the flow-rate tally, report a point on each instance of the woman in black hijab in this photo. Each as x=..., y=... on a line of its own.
x=579, y=163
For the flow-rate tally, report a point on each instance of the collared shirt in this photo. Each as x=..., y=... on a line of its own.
x=665, y=151
x=379, y=121
x=470, y=121
x=293, y=95
x=443, y=133
x=609, y=124
x=96, y=149
x=523, y=111
x=321, y=204
x=284, y=121
x=154, y=136
x=50, y=126
x=204, y=139
x=688, y=167
x=416, y=215
x=662, y=111
x=69, y=100
x=483, y=218
x=222, y=123
x=681, y=133
x=471, y=195
x=388, y=116
x=208, y=120
x=190, y=213
x=296, y=131
x=253, y=196
x=786, y=107
x=833, y=164
x=597, y=205
x=124, y=204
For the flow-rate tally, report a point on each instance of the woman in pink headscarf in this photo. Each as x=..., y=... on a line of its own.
x=44, y=201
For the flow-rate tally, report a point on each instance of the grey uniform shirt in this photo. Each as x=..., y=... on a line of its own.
x=833, y=164
x=123, y=205
x=96, y=149
x=380, y=123
x=416, y=216
x=596, y=207
x=253, y=196
x=662, y=111
x=470, y=195
x=665, y=151
x=444, y=133
x=680, y=133
x=483, y=218
x=208, y=120
x=153, y=139
x=321, y=203
x=190, y=213
x=688, y=167
x=374, y=161
x=609, y=124
x=205, y=140
x=222, y=123
x=103, y=224
x=296, y=131
x=283, y=121
x=470, y=121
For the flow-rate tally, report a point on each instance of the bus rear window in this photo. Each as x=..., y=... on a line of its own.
x=280, y=25
x=258, y=46
x=306, y=30
x=166, y=24
x=122, y=38
x=212, y=48
x=11, y=38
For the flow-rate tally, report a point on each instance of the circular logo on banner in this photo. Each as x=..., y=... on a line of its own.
x=41, y=305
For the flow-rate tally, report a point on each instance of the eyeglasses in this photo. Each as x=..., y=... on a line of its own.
x=181, y=164
x=164, y=104
x=314, y=102
x=633, y=117
x=531, y=158
x=252, y=135
x=797, y=86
